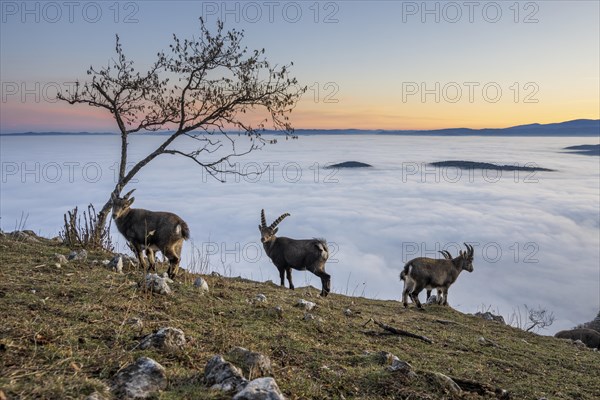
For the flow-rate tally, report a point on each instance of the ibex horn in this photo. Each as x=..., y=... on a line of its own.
x=469, y=249
x=278, y=220
x=129, y=194
x=263, y=220
x=446, y=254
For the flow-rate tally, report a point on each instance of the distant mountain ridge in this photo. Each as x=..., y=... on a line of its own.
x=577, y=127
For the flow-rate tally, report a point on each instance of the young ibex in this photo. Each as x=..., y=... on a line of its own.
x=286, y=253
x=447, y=256
x=150, y=231
x=428, y=273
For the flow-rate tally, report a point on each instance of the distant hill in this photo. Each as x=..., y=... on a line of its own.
x=585, y=149
x=578, y=127
x=487, y=166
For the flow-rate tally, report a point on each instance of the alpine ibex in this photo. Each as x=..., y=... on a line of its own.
x=286, y=253
x=447, y=256
x=150, y=231
x=428, y=273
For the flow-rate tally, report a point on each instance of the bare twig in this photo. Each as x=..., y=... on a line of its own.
x=399, y=332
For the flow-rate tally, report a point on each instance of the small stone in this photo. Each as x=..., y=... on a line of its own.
x=253, y=364
x=447, y=383
x=116, y=264
x=105, y=262
x=433, y=299
x=95, y=396
x=168, y=339
x=24, y=236
x=260, y=298
x=307, y=305
x=215, y=273
x=347, y=312
x=488, y=316
x=140, y=380
x=78, y=255
x=59, y=258
x=402, y=367
x=57, y=266
x=385, y=357
x=278, y=311
x=260, y=389
x=135, y=322
x=201, y=285
x=308, y=317
x=157, y=284
x=33, y=291
x=223, y=375
x=486, y=342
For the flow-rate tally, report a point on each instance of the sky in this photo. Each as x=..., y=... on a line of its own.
x=367, y=65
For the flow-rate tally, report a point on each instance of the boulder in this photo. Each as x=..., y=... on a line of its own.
x=260, y=389
x=140, y=380
x=168, y=339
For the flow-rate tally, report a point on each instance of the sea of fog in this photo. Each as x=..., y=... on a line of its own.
x=536, y=235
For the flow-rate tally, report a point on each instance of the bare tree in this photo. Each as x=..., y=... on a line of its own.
x=534, y=319
x=201, y=89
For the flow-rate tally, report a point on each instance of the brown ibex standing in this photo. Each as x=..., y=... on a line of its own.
x=286, y=253
x=429, y=273
x=150, y=231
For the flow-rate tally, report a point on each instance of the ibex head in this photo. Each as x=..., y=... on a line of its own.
x=267, y=233
x=467, y=258
x=120, y=205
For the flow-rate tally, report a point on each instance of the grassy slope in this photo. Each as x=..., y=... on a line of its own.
x=68, y=338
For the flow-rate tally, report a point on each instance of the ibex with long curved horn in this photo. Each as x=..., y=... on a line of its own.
x=429, y=273
x=150, y=231
x=286, y=253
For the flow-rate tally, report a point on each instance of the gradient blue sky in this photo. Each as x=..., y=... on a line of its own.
x=369, y=51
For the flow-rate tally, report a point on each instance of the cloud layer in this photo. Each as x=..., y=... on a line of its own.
x=536, y=236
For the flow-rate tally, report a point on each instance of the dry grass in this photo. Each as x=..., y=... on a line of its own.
x=69, y=338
